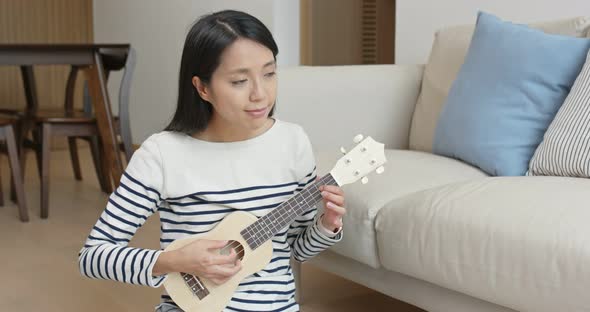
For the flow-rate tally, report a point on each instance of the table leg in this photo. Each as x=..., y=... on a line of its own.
x=28, y=121
x=104, y=118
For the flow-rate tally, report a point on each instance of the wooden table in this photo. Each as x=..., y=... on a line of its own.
x=87, y=56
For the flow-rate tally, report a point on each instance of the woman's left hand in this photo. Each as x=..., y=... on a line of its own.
x=333, y=198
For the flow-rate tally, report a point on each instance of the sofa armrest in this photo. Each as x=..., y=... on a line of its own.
x=335, y=103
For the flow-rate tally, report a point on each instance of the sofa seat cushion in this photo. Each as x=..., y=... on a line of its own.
x=520, y=242
x=405, y=172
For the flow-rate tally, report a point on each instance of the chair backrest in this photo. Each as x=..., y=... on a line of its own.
x=114, y=62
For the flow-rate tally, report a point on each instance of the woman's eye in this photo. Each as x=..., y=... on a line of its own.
x=270, y=74
x=238, y=82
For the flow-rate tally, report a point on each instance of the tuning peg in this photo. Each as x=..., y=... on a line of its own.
x=365, y=180
x=342, y=150
x=380, y=170
x=358, y=138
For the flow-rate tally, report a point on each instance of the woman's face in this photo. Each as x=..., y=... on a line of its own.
x=242, y=89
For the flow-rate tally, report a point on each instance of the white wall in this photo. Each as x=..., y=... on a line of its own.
x=417, y=20
x=156, y=29
x=286, y=31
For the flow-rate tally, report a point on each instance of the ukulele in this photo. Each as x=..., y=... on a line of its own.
x=250, y=237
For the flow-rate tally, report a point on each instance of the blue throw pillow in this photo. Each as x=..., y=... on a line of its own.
x=513, y=81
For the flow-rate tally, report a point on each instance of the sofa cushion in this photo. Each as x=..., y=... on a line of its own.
x=520, y=242
x=446, y=57
x=510, y=83
x=565, y=150
x=405, y=172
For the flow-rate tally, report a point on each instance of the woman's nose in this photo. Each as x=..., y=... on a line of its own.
x=257, y=93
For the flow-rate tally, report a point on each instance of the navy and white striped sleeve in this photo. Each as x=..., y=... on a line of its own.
x=304, y=235
x=106, y=254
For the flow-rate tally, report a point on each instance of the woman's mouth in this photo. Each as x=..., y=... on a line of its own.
x=257, y=113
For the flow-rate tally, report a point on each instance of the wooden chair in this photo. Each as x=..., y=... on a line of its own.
x=75, y=124
x=8, y=137
x=67, y=122
x=114, y=62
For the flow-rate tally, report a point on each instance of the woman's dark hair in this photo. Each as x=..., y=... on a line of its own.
x=204, y=44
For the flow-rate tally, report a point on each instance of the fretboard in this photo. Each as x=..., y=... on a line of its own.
x=268, y=226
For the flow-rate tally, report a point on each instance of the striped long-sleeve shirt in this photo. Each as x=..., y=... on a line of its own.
x=192, y=185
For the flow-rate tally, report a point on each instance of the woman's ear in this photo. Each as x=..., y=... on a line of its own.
x=201, y=88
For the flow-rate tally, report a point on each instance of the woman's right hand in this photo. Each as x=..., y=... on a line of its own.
x=201, y=258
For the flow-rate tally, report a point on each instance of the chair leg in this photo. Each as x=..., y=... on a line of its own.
x=17, y=177
x=12, y=190
x=37, y=132
x=18, y=133
x=75, y=159
x=1, y=192
x=100, y=173
x=26, y=126
x=297, y=272
x=106, y=173
x=46, y=133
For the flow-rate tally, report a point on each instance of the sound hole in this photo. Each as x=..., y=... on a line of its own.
x=236, y=246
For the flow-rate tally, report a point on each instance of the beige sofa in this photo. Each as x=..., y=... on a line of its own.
x=433, y=231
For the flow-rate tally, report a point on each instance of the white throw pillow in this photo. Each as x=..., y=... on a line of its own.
x=565, y=149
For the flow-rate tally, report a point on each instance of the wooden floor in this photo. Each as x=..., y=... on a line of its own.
x=38, y=260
